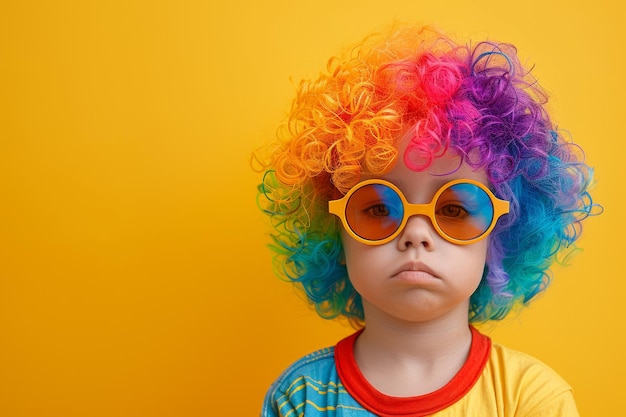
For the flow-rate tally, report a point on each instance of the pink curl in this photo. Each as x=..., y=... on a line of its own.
x=441, y=77
x=430, y=140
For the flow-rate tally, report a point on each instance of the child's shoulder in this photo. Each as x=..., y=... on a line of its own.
x=511, y=362
x=533, y=383
x=310, y=386
x=313, y=362
x=516, y=383
x=315, y=368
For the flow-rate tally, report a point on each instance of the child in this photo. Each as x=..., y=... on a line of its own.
x=419, y=187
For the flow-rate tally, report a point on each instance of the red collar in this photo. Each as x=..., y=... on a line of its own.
x=422, y=405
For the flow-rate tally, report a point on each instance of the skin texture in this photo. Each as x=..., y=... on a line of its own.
x=415, y=292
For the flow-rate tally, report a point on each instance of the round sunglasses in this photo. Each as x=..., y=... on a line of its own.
x=462, y=211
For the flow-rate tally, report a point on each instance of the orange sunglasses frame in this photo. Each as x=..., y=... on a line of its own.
x=338, y=208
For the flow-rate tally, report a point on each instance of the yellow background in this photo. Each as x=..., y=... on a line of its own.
x=134, y=280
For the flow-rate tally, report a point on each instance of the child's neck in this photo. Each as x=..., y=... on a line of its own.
x=409, y=359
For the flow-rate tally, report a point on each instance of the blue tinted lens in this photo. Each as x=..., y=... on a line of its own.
x=464, y=211
x=374, y=212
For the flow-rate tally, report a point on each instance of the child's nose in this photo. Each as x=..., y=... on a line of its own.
x=418, y=231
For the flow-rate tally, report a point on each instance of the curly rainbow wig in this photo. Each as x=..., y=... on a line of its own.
x=476, y=101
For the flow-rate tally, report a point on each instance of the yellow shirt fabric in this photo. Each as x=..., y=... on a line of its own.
x=515, y=384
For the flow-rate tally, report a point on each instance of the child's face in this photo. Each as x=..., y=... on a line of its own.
x=418, y=276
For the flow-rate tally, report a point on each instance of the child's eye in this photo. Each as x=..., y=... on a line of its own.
x=378, y=210
x=452, y=210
